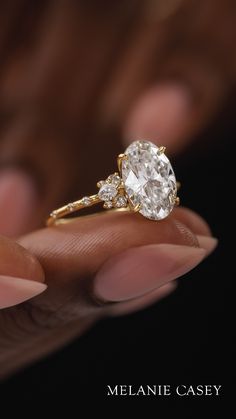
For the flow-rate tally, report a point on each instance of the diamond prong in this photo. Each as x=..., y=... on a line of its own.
x=136, y=208
x=120, y=158
x=162, y=149
x=177, y=201
x=100, y=183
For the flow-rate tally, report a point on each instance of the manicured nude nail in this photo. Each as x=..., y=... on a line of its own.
x=140, y=270
x=17, y=290
x=160, y=114
x=207, y=243
x=17, y=201
x=140, y=303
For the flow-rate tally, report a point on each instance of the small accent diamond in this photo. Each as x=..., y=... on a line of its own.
x=70, y=207
x=107, y=204
x=120, y=201
x=107, y=192
x=86, y=200
x=114, y=179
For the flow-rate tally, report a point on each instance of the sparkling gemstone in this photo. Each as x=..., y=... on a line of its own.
x=108, y=204
x=70, y=206
x=149, y=180
x=86, y=200
x=107, y=192
x=120, y=201
x=114, y=179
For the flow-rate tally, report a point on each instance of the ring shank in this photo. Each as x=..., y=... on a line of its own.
x=71, y=207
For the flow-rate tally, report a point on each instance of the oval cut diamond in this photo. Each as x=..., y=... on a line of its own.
x=149, y=180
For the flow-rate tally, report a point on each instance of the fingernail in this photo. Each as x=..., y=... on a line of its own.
x=160, y=114
x=207, y=243
x=130, y=306
x=17, y=290
x=17, y=201
x=140, y=270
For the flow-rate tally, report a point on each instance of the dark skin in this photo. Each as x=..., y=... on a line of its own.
x=68, y=258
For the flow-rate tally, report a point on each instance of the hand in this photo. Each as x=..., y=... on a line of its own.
x=76, y=260
x=97, y=266
x=108, y=264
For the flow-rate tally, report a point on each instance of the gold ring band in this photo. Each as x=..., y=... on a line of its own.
x=145, y=183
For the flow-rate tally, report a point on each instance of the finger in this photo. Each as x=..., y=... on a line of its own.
x=143, y=302
x=18, y=200
x=197, y=224
x=28, y=185
x=81, y=246
x=207, y=243
x=21, y=276
x=140, y=270
x=17, y=261
x=77, y=250
x=171, y=114
x=160, y=114
x=192, y=220
x=14, y=290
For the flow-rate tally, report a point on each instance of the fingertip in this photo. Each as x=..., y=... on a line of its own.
x=16, y=261
x=18, y=199
x=160, y=114
x=14, y=290
x=207, y=243
x=192, y=220
x=137, y=271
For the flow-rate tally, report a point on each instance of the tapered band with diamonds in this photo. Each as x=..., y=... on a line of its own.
x=145, y=183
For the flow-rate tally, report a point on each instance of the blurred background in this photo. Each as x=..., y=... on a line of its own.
x=72, y=74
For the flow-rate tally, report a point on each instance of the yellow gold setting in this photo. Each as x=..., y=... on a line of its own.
x=112, y=194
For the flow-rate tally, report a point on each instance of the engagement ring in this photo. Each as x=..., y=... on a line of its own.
x=145, y=183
